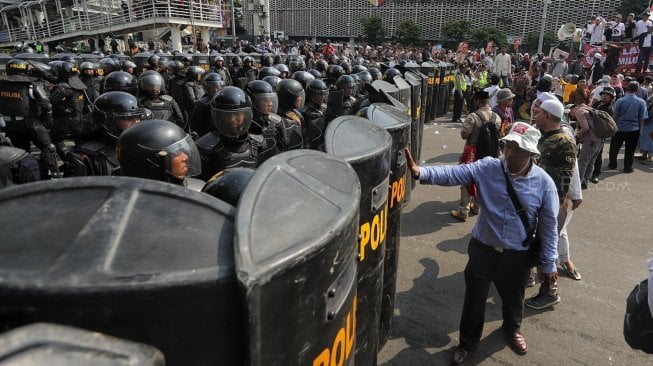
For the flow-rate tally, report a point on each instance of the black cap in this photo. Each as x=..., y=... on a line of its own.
x=481, y=94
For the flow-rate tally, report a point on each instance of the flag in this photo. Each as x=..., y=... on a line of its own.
x=376, y=2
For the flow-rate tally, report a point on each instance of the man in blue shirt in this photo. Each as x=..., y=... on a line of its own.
x=496, y=251
x=629, y=114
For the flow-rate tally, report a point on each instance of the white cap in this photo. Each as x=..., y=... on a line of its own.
x=553, y=107
x=598, y=55
x=525, y=135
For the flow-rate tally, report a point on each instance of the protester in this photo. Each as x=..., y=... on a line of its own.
x=630, y=113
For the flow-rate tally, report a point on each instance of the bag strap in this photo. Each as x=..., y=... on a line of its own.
x=530, y=233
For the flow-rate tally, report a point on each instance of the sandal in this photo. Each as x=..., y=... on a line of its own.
x=573, y=273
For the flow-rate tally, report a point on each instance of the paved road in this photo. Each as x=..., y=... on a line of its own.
x=610, y=242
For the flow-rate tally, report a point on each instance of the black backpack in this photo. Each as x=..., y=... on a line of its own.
x=488, y=138
x=638, y=322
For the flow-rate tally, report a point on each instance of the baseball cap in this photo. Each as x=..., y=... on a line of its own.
x=553, y=107
x=525, y=135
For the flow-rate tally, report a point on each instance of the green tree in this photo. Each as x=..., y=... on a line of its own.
x=632, y=6
x=455, y=31
x=481, y=37
x=533, y=38
x=373, y=31
x=408, y=33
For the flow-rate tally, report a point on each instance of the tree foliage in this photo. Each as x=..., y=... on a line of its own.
x=455, y=31
x=373, y=30
x=481, y=37
x=533, y=38
x=408, y=33
x=632, y=6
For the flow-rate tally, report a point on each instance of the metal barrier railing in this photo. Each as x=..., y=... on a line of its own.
x=95, y=14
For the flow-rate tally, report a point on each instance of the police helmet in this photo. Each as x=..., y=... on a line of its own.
x=390, y=74
x=129, y=66
x=152, y=84
x=366, y=77
x=334, y=72
x=264, y=100
x=212, y=83
x=283, y=70
x=153, y=61
x=272, y=80
x=346, y=66
x=17, y=66
x=321, y=65
x=236, y=61
x=316, y=74
x=347, y=84
x=303, y=77
x=317, y=92
x=295, y=63
x=291, y=94
x=248, y=61
x=376, y=73
x=278, y=59
x=121, y=81
x=115, y=111
x=267, y=71
x=159, y=150
x=108, y=65
x=358, y=68
x=267, y=61
x=333, y=59
x=218, y=60
x=175, y=66
x=62, y=70
x=231, y=112
x=229, y=184
x=194, y=73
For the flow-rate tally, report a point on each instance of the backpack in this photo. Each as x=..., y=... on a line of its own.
x=488, y=138
x=638, y=322
x=603, y=124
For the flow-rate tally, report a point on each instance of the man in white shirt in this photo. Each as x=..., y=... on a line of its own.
x=502, y=66
x=597, y=36
x=617, y=28
x=643, y=29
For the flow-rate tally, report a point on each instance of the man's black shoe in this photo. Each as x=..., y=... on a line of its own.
x=594, y=180
x=628, y=170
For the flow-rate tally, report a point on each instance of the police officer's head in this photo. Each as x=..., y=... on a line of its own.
x=236, y=61
x=108, y=65
x=87, y=69
x=317, y=93
x=128, y=67
x=153, y=62
x=264, y=100
x=218, y=61
x=17, y=66
x=268, y=71
x=63, y=70
x=121, y=81
x=194, y=73
x=390, y=74
x=174, y=67
x=347, y=84
x=116, y=111
x=284, y=71
x=376, y=73
x=295, y=63
x=231, y=112
x=303, y=77
x=229, y=184
x=321, y=66
x=159, y=150
x=248, y=62
x=212, y=83
x=267, y=61
x=291, y=94
x=151, y=84
x=272, y=80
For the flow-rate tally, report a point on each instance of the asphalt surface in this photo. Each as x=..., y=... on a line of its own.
x=610, y=241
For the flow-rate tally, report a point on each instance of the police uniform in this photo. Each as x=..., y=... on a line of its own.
x=192, y=91
x=95, y=156
x=293, y=124
x=163, y=107
x=219, y=152
x=68, y=102
x=314, y=118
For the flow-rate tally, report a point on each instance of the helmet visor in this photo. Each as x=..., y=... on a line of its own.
x=266, y=103
x=319, y=96
x=232, y=122
x=183, y=159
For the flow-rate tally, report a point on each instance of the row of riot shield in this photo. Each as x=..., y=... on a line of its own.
x=302, y=271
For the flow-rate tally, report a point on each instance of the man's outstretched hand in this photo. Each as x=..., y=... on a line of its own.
x=412, y=166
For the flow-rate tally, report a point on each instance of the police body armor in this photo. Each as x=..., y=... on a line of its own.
x=200, y=120
x=273, y=130
x=192, y=92
x=17, y=97
x=163, y=107
x=348, y=105
x=397, y=124
x=367, y=148
x=224, y=74
x=91, y=158
x=219, y=153
x=293, y=123
x=17, y=166
x=92, y=87
x=68, y=102
x=314, y=118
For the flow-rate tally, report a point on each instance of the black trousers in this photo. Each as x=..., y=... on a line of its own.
x=631, y=138
x=458, y=98
x=509, y=271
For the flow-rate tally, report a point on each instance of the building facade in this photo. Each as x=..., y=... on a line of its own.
x=341, y=18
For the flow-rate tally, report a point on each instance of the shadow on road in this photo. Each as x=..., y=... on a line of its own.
x=424, y=219
x=443, y=159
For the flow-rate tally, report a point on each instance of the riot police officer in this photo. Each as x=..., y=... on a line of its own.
x=192, y=90
x=120, y=81
x=113, y=112
x=27, y=112
x=87, y=76
x=159, y=150
x=220, y=68
x=68, y=104
x=248, y=71
x=284, y=71
x=347, y=84
x=162, y=106
x=266, y=122
x=230, y=145
x=291, y=99
x=200, y=120
x=236, y=65
x=176, y=80
x=314, y=112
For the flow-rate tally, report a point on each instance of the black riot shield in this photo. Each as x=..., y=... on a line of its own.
x=398, y=125
x=443, y=90
x=89, y=57
x=428, y=69
x=40, y=57
x=300, y=286
x=141, y=61
x=52, y=344
x=202, y=60
x=4, y=59
x=334, y=105
x=388, y=88
x=164, y=57
x=367, y=148
x=404, y=92
x=132, y=258
x=415, y=83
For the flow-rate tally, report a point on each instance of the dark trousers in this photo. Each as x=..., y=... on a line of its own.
x=642, y=60
x=457, y=105
x=509, y=271
x=631, y=138
x=598, y=162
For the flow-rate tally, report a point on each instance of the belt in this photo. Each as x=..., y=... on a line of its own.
x=497, y=248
